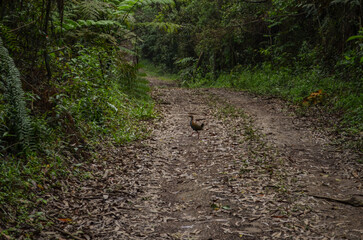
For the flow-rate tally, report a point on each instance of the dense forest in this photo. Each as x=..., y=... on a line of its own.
x=282, y=48
x=71, y=76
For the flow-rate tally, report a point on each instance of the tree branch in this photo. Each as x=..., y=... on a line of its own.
x=16, y=29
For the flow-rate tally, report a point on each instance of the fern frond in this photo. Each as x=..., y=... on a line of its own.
x=71, y=25
x=127, y=5
x=92, y=10
x=17, y=118
x=162, y=2
x=186, y=60
x=165, y=26
x=10, y=38
x=127, y=51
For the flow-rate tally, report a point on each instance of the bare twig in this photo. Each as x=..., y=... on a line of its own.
x=67, y=233
x=355, y=201
x=16, y=29
x=59, y=49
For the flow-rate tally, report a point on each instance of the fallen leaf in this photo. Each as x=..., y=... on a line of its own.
x=276, y=234
x=65, y=219
x=279, y=216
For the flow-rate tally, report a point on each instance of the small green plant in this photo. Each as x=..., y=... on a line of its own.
x=16, y=122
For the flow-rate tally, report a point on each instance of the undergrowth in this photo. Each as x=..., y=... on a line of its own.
x=91, y=104
x=113, y=102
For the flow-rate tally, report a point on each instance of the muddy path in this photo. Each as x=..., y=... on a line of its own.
x=257, y=172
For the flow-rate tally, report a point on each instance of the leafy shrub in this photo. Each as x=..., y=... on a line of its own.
x=99, y=99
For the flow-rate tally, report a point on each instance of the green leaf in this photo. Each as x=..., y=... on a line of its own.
x=355, y=37
x=214, y=206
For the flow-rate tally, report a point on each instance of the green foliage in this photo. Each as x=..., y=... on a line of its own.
x=128, y=5
x=232, y=33
x=72, y=25
x=151, y=70
x=79, y=85
x=21, y=183
x=15, y=116
x=167, y=27
x=187, y=66
x=101, y=102
x=9, y=37
x=92, y=10
x=351, y=66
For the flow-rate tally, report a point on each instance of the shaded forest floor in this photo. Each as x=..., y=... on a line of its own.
x=257, y=172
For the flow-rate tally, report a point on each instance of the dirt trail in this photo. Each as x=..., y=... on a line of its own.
x=304, y=144
x=251, y=175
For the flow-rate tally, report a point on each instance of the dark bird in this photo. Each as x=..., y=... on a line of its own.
x=195, y=126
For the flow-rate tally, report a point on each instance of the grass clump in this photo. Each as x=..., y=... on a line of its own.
x=156, y=71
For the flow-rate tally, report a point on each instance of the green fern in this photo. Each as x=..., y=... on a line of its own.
x=165, y=26
x=127, y=6
x=92, y=10
x=16, y=114
x=10, y=38
x=186, y=61
x=111, y=14
x=71, y=25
